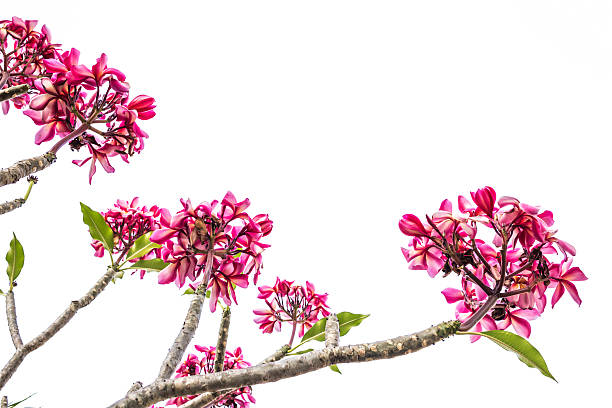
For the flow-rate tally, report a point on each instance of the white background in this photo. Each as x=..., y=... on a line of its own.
x=336, y=118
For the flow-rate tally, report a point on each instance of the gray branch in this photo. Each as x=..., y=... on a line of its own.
x=210, y=398
x=26, y=167
x=222, y=339
x=275, y=371
x=175, y=353
x=135, y=387
x=332, y=331
x=63, y=319
x=11, y=317
x=4, y=402
x=13, y=91
x=11, y=205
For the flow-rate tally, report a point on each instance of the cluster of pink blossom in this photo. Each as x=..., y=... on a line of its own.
x=83, y=106
x=128, y=222
x=221, y=247
x=194, y=365
x=287, y=302
x=503, y=281
x=22, y=52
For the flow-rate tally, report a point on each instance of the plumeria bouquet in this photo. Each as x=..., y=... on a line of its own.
x=507, y=258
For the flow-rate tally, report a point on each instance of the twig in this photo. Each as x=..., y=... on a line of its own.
x=192, y=320
x=11, y=316
x=11, y=366
x=18, y=202
x=13, y=92
x=222, y=339
x=11, y=205
x=25, y=167
x=332, y=331
x=4, y=402
x=209, y=398
x=270, y=372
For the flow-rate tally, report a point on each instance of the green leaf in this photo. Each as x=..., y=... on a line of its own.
x=349, y=320
x=335, y=368
x=155, y=265
x=14, y=404
x=346, y=320
x=141, y=247
x=15, y=258
x=297, y=353
x=189, y=292
x=517, y=344
x=98, y=228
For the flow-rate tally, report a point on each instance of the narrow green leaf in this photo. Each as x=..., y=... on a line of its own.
x=154, y=265
x=189, y=292
x=335, y=368
x=15, y=258
x=517, y=344
x=141, y=247
x=346, y=321
x=98, y=228
x=349, y=320
x=14, y=404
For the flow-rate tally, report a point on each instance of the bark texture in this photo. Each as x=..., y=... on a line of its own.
x=26, y=167
x=11, y=366
x=332, y=331
x=13, y=91
x=175, y=353
x=210, y=398
x=222, y=339
x=11, y=205
x=275, y=371
x=11, y=317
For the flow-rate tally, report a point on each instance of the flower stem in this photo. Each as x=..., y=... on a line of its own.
x=75, y=133
x=480, y=313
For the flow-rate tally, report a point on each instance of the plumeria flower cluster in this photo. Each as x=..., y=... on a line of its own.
x=297, y=305
x=195, y=365
x=22, y=52
x=91, y=108
x=218, y=243
x=129, y=222
x=507, y=256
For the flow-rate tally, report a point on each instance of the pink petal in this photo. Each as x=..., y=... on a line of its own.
x=452, y=295
x=571, y=289
x=557, y=295
x=574, y=274
x=521, y=326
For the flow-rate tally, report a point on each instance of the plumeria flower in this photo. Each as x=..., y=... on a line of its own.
x=195, y=365
x=506, y=253
x=561, y=277
x=297, y=305
x=88, y=107
x=23, y=50
x=220, y=236
x=128, y=221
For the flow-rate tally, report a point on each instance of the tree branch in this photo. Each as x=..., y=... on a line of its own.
x=192, y=320
x=275, y=371
x=222, y=339
x=4, y=402
x=332, y=331
x=11, y=317
x=11, y=205
x=25, y=167
x=13, y=91
x=209, y=398
x=175, y=353
x=11, y=366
